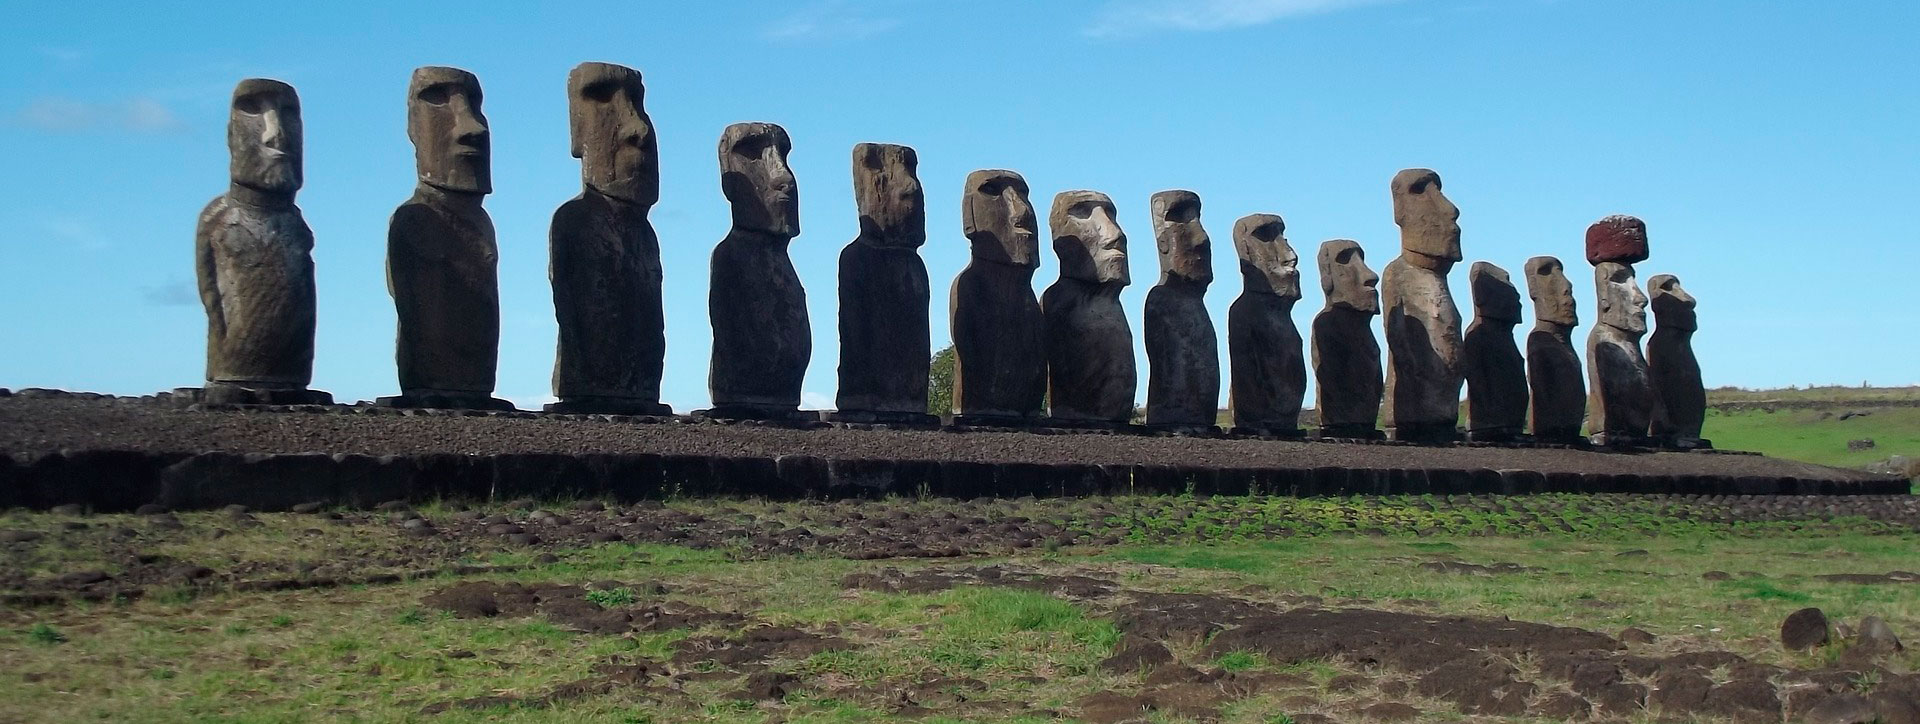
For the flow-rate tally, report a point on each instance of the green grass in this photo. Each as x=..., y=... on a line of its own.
x=1818, y=436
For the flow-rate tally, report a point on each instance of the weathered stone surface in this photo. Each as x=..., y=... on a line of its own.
x=884, y=338
x=1264, y=348
x=442, y=262
x=1090, y=368
x=1804, y=629
x=1422, y=323
x=1346, y=357
x=761, y=337
x=1496, y=374
x=999, y=332
x=1680, y=396
x=604, y=259
x=253, y=255
x=1620, y=239
x=1620, y=395
x=1183, y=354
x=1554, y=374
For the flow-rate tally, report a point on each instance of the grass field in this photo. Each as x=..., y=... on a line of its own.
x=1818, y=436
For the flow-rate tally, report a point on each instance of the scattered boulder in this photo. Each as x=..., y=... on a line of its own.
x=1843, y=709
x=767, y=686
x=1804, y=629
x=1876, y=636
x=1138, y=657
x=1635, y=635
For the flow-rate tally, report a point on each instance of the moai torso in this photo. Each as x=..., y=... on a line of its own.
x=1267, y=364
x=1681, y=394
x=761, y=337
x=1422, y=323
x=1495, y=372
x=885, y=341
x=1183, y=354
x=999, y=332
x=1620, y=394
x=1555, y=380
x=1090, y=367
x=1346, y=358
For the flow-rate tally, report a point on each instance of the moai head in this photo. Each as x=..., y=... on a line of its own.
x=612, y=135
x=1617, y=238
x=1267, y=263
x=886, y=189
x=1345, y=278
x=1672, y=305
x=1186, y=252
x=999, y=220
x=1494, y=297
x=756, y=180
x=264, y=136
x=1552, y=294
x=1622, y=306
x=1091, y=246
x=451, y=145
x=1429, y=223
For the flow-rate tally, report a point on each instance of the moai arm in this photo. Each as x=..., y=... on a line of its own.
x=205, y=271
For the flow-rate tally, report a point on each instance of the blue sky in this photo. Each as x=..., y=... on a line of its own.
x=1769, y=145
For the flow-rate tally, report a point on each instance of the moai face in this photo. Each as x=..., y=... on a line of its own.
x=451, y=144
x=1091, y=246
x=1429, y=223
x=999, y=220
x=1345, y=278
x=612, y=135
x=1268, y=263
x=755, y=177
x=1622, y=306
x=886, y=188
x=1672, y=305
x=1551, y=292
x=1494, y=296
x=264, y=136
x=1186, y=252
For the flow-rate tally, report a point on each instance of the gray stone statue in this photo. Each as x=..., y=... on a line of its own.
x=1496, y=374
x=1183, y=355
x=1554, y=375
x=442, y=264
x=1090, y=370
x=884, y=336
x=999, y=333
x=1620, y=395
x=604, y=257
x=1679, y=394
x=1422, y=323
x=1264, y=349
x=253, y=258
x=1346, y=358
x=761, y=338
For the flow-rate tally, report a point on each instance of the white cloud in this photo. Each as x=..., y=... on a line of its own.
x=815, y=401
x=1126, y=18
x=67, y=115
x=826, y=21
x=177, y=292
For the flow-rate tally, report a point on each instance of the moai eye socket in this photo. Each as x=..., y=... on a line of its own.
x=436, y=94
x=1266, y=232
x=1184, y=212
x=1082, y=210
x=600, y=92
x=752, y=147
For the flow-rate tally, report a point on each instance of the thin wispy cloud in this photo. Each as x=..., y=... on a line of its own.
x=1128, y=18
x=829, y=20
x=76, y=233
x=176, y=292
x=60, y=114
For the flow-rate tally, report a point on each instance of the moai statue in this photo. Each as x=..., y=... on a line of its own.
x=1346, y=358
x=1620, y=395
x=604, y=257
x=999, y=333
x=1496, y=374
x=1680, y=397
x=1090, y=372
x=1422, y=323
x=442, y=264
x=1264, y=349
x=761, y=339
x=884, y=336
x=253, y=257
x=1554, y=375
x=1183, y=355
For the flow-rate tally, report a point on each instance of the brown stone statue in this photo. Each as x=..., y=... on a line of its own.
x=1422, y=323
x=1620, y=395
x=1496, y=374
x=1346, y=358
x=1183, y=355
x=761, y=338
x=604, y=257
x=1090, y=370
x=253, y=257
x=999, y=332
x=884, y=338
x=442, y=264
x=1264, y=349
x=1680, y=397
x=1554, y=375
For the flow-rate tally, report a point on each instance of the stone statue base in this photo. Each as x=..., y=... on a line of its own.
x=749, y=411
x=1687, y=443
x=1081, y=423
x=1497, y=434
x=227, y=393
x=1001, y=421
x=445, y=400
x=1179, y=428
x=1350, y=432
x=1621, y=441
x=609, y=406
x=1560, y=436
x=1425, y=432
x=881, y=418
x=1262, y=431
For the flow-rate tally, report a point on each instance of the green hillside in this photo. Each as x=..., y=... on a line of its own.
x=1815, y=424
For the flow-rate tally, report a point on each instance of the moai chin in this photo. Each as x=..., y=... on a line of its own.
x=1090, y=367
x=1422, y=323
x=1555, y=379
x=761, y=337
x=1620, y=394
x=1346, y=358
x=253, y=259
x=604, y=258
x=1264, y=348
x=1679, y=393
x=442, y=262
x=1495, y=372
x=884, y=337
x=1183, y=354
x=999, y=332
